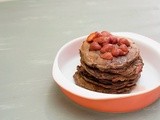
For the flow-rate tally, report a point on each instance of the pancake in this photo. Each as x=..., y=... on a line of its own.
x=111, y=74
x=108, y=83
x=97, y=88
x=92, y=58
x=109, y=64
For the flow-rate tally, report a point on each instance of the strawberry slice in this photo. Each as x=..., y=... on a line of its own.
x=92, y=36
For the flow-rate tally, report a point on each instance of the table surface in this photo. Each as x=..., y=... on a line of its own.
x=31, y=33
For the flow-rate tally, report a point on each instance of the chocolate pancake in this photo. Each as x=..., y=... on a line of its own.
x=129, y=72
x=109, y=64
x=108, y=76
x=105, y=82
x=92, y=58
x=95, y=87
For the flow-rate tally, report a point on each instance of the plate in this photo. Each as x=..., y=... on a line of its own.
x=146, y=92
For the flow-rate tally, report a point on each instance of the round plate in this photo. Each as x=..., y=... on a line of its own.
x=145, y=93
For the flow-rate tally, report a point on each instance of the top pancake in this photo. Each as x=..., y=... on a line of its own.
x=93, y=59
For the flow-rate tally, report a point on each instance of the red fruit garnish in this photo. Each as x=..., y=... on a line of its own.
x=115, y=52
x=100, y=40
x=123, y=41
x=105, y=34
x=113, y=39
x=123, y=47
x=92, y=36
x=107, y=48
x=94, y=46
x=107, y=56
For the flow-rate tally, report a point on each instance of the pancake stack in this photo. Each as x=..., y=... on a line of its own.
x=109, y=64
